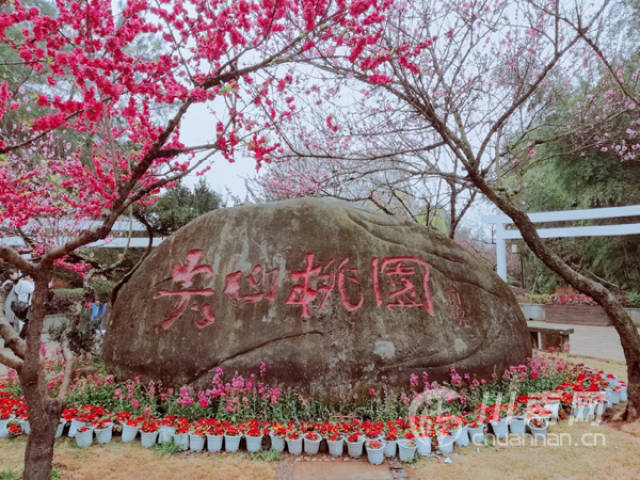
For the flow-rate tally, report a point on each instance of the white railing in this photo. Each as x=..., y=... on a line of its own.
x=119, y=227
x=503, y=233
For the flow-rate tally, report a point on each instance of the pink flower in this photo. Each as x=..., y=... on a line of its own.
x=135, y=404
x=379, y=79
x=203, y=401
x=413, y=379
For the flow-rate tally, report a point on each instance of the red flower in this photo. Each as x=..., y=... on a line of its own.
x=182, y=428
x=132, y=422
x=14, y=429
x=149, y=427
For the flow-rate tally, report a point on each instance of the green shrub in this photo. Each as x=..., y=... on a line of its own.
x=634, y=299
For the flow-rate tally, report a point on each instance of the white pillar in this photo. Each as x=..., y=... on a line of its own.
x=501, y=251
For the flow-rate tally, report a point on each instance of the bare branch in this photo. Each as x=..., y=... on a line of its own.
x=11, y=361
x=11, y=339
x=68, y=369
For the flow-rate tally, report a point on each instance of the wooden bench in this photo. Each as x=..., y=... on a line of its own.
x=545, y=336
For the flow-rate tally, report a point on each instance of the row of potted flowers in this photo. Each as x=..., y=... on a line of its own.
x=585, y=394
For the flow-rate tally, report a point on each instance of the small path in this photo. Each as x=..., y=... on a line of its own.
x=592, y=341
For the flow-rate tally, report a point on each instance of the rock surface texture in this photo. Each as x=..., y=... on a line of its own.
x=333, y=298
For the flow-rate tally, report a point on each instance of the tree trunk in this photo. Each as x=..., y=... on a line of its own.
x=44, y=413
x=44, y=416
x=629, y=337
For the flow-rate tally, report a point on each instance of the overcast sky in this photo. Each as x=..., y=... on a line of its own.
x=196, y=129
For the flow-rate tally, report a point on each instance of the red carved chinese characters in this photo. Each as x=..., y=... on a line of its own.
x=456, y=310
x=304, y=294
x=401, y=274
x=256, y=282
x=184, y=275
x=324, y=280
x=402, y=281
x=343, y=274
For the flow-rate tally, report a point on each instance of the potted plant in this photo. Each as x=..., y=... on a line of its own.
x=582, y=409
x=552, y=405
x=6, y=415
x=277, y=436
x=294, y=442
x=538, y=411
x=445, y=440
x=462, y=436
x=181, y=437
x=538, y=426
x=74, y=426
x=14, y=429
x=406, y=449
x=517, y=422
x=475, y=428
x=84, y=436
x=623, y=391
x=148, y=433
x=60, y=428
x=498, y=420
x=355, y=444
x=103, y=428
x=613, y=392
x=215, y=434
x=196, y=437
x=253, y=438
x=375, y=452
x=232, y=436
x=390, y=443
x=312, y=443
x=130, y=430
x=166, y=429
x=24, y=423
x=423, y=441
x=335, y=441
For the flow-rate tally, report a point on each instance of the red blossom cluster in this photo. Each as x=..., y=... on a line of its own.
x=98, y=81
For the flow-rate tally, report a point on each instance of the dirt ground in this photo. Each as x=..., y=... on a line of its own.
x=119, y=461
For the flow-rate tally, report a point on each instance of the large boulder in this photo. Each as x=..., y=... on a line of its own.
x=330, y=296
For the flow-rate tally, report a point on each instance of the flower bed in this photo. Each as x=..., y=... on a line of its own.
x=455, y=414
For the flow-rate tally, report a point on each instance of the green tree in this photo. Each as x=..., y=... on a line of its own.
x=179, y=206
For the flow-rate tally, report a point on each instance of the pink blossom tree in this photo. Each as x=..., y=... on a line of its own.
x=125, y=104
x=478, y=79
x=330, y=152
x=402, y=185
